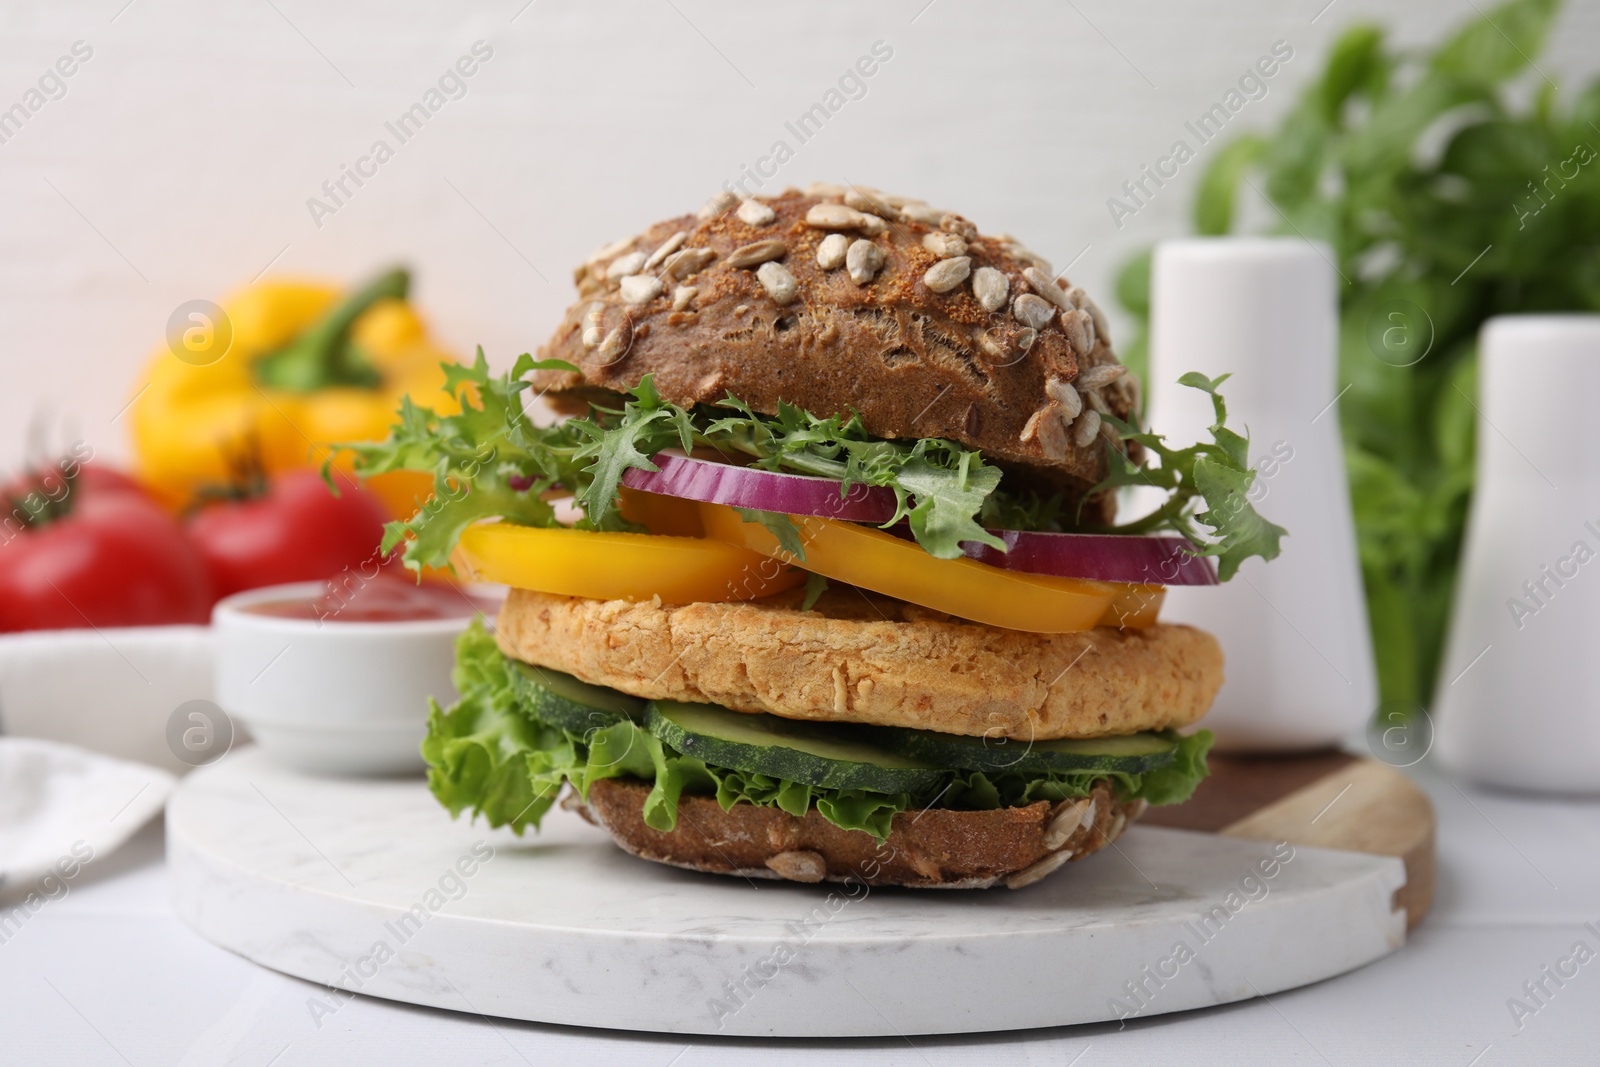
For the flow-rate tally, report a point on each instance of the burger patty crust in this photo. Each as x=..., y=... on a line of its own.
x=859, y=657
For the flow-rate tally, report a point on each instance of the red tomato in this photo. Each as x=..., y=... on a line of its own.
x=105, y=557
x=110, y=480
x=298, y=531
x=49, y=486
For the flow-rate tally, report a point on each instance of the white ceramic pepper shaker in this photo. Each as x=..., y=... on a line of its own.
x=1518, y=699
x=1294, y=631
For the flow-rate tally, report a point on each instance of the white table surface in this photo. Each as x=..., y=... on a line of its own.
x=108, y=975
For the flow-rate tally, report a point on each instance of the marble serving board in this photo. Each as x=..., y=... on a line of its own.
x=368, y=887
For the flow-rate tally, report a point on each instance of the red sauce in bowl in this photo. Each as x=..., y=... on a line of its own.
x=380, y=599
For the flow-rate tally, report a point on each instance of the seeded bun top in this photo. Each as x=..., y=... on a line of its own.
x=842, y=298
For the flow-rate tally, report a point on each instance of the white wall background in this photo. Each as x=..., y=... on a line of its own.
x=179, y=161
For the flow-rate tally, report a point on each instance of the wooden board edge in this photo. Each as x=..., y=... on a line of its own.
x=1365, y=806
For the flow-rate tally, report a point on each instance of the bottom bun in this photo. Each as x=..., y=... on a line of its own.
x=937, y=848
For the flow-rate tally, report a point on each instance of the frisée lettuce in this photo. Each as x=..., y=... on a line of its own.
x=489, y=460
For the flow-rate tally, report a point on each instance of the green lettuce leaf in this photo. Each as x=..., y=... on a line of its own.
x=948, y=496
x=487, y=755
x=1176, y=782
x=849, y=809
x=781, y=527
x=1216, y=472
x=489, y=460
x=816, y=585
x=645, y=426
x=477, y=749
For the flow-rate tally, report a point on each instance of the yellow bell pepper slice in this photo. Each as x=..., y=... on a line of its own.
x=660, y=514
x=619, y=566
x=872, y=559
x=1137, y=607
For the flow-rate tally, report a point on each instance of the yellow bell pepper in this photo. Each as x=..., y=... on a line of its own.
x=289, y=370
x=618, y=566
x=872, y=559
x=1137, y=607
x=660, y=514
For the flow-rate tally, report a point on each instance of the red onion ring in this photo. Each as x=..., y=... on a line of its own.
x=750, y=487
x=1149, y=560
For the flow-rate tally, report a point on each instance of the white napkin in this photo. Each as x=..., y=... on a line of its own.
x=62, y=807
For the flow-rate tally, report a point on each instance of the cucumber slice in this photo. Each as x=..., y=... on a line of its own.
x=562, y=700
x=819, y=754
x=1129, y=754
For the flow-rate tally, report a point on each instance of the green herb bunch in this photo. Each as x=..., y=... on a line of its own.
x=1453, y=185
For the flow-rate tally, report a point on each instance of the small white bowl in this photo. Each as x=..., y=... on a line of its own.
x=332, y=697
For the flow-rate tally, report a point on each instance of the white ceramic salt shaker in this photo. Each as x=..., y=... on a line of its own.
x=1299, y=665
x=1518, y=698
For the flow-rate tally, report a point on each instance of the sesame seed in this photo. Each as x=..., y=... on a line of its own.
x=946, y=274
x=863, y=259
x=682, y=295
x=778, y=282
x=1032, y=310
x=669, y=246
x=841, y=217
x=990, y=287
x=752, y=255
x=944, y=245
x=832, y=250
x=755, y=213
x=717, y=205
x=1046, y=287
x=640, y=288
x=623, y=265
